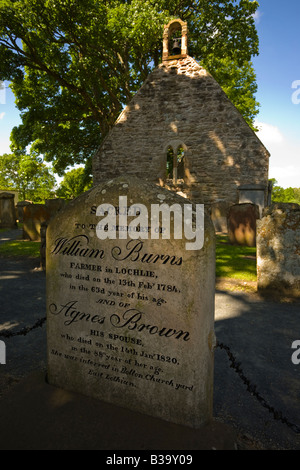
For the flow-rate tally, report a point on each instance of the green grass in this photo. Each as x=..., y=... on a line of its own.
x=232, y=261
x=235, y=261
x=20, y=248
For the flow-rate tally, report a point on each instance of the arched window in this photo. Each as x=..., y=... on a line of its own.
x=170, y=164
x=175, y=163
x=180, y=162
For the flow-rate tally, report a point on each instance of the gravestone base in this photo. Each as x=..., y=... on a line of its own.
x=39, y=416
x=130, y=321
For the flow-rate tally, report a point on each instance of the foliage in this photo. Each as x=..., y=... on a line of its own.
x=239, y=83
x=280, y=194
x=28, y=175
x=73, y=184
x=74, y=64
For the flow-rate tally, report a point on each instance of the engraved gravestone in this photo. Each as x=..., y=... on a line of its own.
x=130, y=300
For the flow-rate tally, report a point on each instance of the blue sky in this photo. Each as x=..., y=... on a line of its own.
x=277, y=68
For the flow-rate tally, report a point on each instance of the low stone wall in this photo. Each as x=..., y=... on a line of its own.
x=278, y=250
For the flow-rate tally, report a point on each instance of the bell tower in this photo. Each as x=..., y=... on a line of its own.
x=175, y=40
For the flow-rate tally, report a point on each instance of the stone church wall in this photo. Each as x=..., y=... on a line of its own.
x=180, y=104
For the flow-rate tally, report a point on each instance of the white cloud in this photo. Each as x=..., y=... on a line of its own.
x=285, y=155
x=2, y=115
x=286, y=172
x=257, y=16
x=268, y=133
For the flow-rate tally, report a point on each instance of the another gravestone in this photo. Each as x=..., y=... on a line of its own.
x=33, y=217
x=20, y=209
x=219, y=213
x=7, y=211
x=130, y=319
x=242, y=224
x=254, y=194
x=278, y=250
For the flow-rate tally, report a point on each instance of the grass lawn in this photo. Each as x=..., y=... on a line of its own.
x=234, y=261
x=19, y=248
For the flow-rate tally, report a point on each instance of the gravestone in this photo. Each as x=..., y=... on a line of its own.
x=20, y=209
x=278, y=250
x=130, y=319
x=242, y=224
x=7, y=211
x=219, y=213
x=254, y=194
x=33, y=217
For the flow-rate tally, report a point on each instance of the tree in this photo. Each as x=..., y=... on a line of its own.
x=239, y=83
x=28, y=175
x=73, y=184
x=74, y=65
x=297, y=195
x=280, y=194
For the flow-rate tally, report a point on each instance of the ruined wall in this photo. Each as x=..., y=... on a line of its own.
x=278, y=250
x=181, y=104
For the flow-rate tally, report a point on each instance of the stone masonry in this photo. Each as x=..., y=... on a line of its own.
x=278, y=250
x=180, y=105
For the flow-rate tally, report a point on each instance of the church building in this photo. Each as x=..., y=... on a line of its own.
x=181, y=131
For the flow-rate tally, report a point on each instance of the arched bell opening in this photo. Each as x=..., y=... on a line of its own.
x=175, y=40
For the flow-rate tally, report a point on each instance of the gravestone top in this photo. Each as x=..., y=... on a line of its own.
x=130, y=303
x=5, y=195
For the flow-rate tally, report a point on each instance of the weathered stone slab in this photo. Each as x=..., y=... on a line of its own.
x=20, y=209
x=219, y=214
x=254, y=194
x=242, y=224
x=7, y=211
x=130, y=320
x=278, y=250
x=33, y=216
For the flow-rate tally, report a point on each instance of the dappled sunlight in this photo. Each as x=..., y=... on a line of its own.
x=8, y=276
x=235, y=261
x=60, y=398
x=8, y=325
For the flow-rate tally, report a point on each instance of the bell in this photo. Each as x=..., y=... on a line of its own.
x=176, y=50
